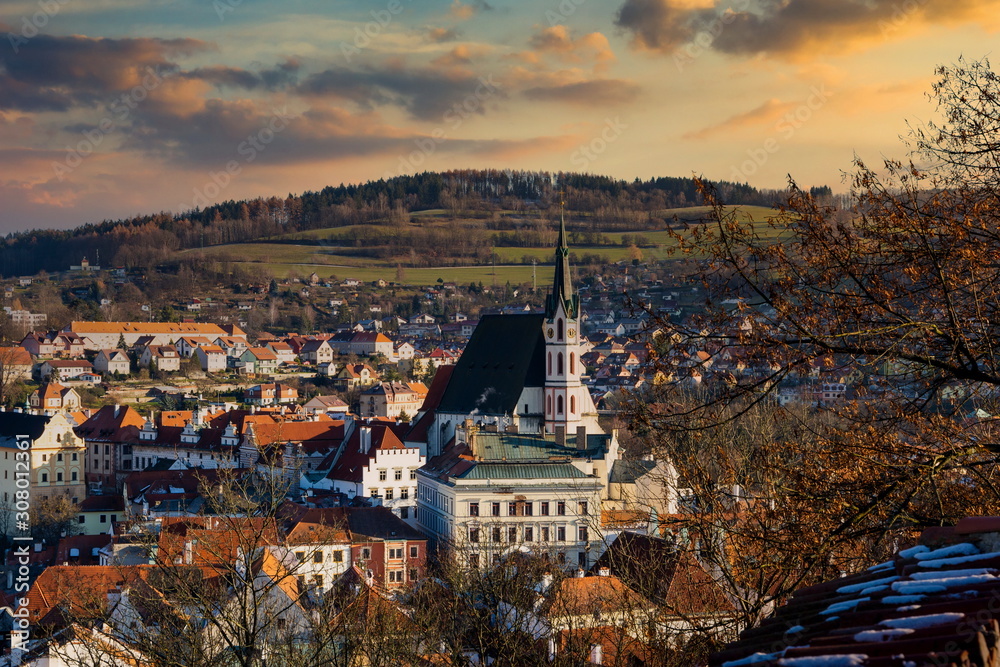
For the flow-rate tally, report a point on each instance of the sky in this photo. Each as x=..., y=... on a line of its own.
x=112, y=108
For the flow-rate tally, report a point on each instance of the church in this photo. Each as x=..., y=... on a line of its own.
x=516, y=458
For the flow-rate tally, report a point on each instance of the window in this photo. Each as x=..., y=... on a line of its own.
x=388, y=494
x=373, y=493
x=72, y=476
x=582, y=507
x=473, y=534
x=396, y=576
x=404, y=492
x=572, y=406
x=559, y=329
x=545, y=508
x=561, y=557
x=512, y=534
x=559, y=405
x=301, y=556
x=107, y=450
x=44, y=458
x=512, y=509
x=107, y=465
x=496, y=509
x=318, y=557
x=338, y=556
x=561, y=508
x=96, y=450
x=413, y=474
x=582, y=534
x=496, y=533
x=82, y=519
x=104, y=518
x=45, y=476
x=473, y=560
x=59, y=477
x=413, y=574
x=404, y=512
x=559, y=364
x=545, y=533
x=366, y=553
x=549, y=366
x=414, y=552
x=318, y=580
x=561, y=534
x=73, y=458
x=58, y=457
x=381, y=475
x=528, y=508
x=572, y=363
x=396, y=552
x=398, y=475
x=529, y=534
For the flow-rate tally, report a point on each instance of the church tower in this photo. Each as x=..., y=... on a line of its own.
x=565, y=394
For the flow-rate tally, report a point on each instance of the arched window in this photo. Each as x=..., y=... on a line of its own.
x=559, y=405
x=548, y=405
x=550, y=363
x=572, y=404
x=559, y=329
x=559, y=363
x=572, y=363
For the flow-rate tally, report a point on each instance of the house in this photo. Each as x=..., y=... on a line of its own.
x=211, y=358
x=271, y=394
x=165, y=357
x=367, y=344
x=112, y=361
x=257, y=361
x=52, y=397
x=403, y=351
x=233, y=346
x=64, y=370
x=422, y=318
x=55, y=457
x=376, y=463
x=109, y=435
x=356, y=375
x=15, y=363
x=99, y=514
x=385, y=547
x=283, y=351
x=186, y=345
x=392, y=399
x=326, y=405
x=54, y=344
x=316, y=351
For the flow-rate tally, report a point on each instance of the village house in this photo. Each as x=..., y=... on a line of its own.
x=355, y=375
x=52, y=397
x=112, y=361
x=165, y=357
x=56, y=456
x=15, y=363
x=65, y=370
x=367, y=344
x=256, y=361
x=212, y=358
x=271, y=394
x=283, y=351
x=392, y=399
x=109, y=434
x=316, y=351
x=53, y=345
x=107, y=335
x=326, y=405
x=186, y=345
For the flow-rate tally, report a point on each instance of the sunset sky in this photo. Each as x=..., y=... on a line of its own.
x=110, y=108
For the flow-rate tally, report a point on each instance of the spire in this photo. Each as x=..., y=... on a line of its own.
x=562, y=285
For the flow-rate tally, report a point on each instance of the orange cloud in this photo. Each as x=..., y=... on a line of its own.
x=766, y=113
x=558, y=41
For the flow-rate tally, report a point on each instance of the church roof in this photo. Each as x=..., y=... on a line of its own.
x=505, y=354
x=562, y=284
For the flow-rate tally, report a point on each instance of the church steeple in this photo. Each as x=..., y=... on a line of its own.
x=562, y=285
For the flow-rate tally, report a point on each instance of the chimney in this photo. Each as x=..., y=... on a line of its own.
x=561, y=435
x=580, y=574
x=581, y=437
x=364, y=439
x=604, y=572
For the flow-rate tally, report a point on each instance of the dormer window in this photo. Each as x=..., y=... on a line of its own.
x=559, y=329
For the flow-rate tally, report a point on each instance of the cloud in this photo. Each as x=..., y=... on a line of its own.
x=766, y=113
x=50, y=73
x=460, y=56
x=787, y=29
x=587, y=93
x=221, y=76
x=425, y=93
x=463, y=11
x=557, y=40
x=440, y=35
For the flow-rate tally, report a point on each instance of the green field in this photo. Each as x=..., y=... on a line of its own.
x=332, y=256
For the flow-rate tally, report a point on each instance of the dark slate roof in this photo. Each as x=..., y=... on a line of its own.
x=380, y=523
x=932, y=604
x=13, y=424
x=505, y=354
x=523, y=471
x=626, y=472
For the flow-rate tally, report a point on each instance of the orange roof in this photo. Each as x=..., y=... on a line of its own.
x=174, y=417
x=331, y=432
x=147, y=328
x=16, y=356
x=578, y=596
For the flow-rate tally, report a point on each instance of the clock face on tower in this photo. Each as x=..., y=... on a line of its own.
x=551, y=332
x=571, y=332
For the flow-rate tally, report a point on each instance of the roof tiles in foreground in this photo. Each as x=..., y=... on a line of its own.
x=937, y=603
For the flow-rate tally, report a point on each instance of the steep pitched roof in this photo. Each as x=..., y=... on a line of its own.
x=505, y=354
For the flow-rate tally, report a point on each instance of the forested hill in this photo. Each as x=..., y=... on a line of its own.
x=150, y=240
